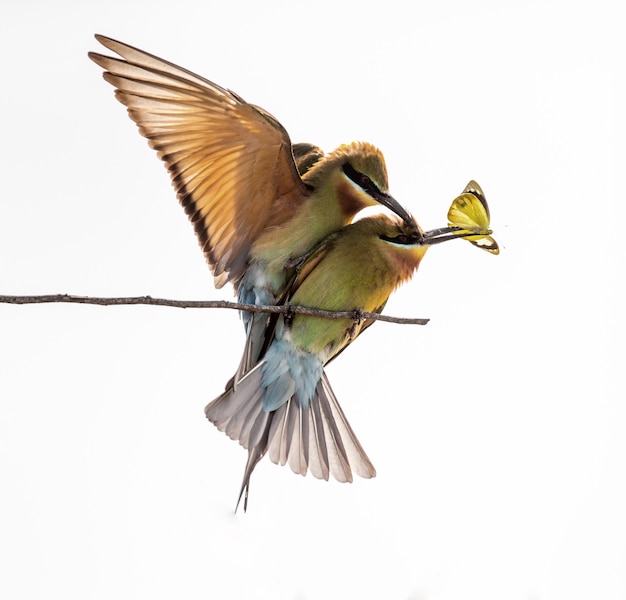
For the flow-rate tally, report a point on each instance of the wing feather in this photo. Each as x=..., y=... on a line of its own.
x=231, y=162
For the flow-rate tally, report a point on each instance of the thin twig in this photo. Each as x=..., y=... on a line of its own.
x=315, y=312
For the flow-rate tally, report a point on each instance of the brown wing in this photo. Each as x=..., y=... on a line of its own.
x=306, y=155
x=231, y=162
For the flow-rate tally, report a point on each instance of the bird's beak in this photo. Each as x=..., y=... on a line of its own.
x=393, y=205
x=443, y=234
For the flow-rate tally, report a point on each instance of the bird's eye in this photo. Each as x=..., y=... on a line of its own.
x=403, y=238
x=361, y=179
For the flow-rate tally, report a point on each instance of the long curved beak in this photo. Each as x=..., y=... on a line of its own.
x=443, y=234
x=393, y=205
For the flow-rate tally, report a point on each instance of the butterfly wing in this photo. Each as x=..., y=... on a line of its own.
x=470, y=212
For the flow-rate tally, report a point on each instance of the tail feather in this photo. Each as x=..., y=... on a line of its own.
x=304, y=454
x=293, y=446
x=319, y=457
x=260, y=429
x=341, y=431
x=255, y=329
x=338, y=462
x=285, y=425
x=249, y=435
x=315, y=438
x=276, y=434
x=287, y=444
x=254, y=456
x=237, y=408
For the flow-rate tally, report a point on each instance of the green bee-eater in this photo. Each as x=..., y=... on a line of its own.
x=284, y=404
x=273, y=219
x=254, y=200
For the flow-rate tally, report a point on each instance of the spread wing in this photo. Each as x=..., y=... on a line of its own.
x=231, y=162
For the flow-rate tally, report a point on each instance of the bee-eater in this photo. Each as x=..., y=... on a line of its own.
x=284, y=404
x=255, y=201
x=273, y=218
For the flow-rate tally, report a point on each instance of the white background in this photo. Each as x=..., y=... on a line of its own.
x=497, y=430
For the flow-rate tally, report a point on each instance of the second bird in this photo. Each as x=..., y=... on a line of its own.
x=284, y=405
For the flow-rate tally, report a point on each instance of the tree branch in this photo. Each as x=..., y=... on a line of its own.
x=315, y=312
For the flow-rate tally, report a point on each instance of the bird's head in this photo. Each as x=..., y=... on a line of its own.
x=389, y=247
x=358, y=176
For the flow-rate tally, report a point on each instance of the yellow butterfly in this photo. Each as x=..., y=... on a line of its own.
x=470, y=213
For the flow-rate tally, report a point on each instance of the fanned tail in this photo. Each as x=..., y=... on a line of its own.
x=315, y=438
x=318, y=438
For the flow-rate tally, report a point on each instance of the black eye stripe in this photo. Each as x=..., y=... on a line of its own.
x=403, y=238
x=361, y=180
